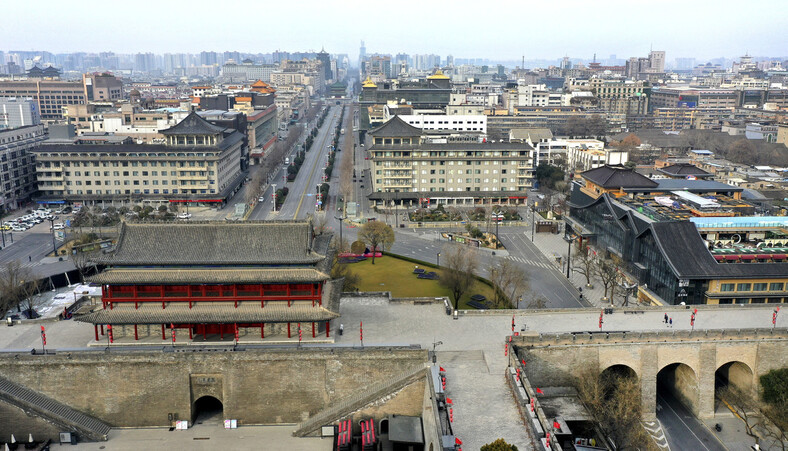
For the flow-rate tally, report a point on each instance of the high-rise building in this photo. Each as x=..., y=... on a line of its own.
x=362, y=54
x=685, y=63
x=325, y=59
x=656, y=61
x=17, y=167
x=15, y=113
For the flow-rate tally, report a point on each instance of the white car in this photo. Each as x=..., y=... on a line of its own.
x=58, y=226
x=184, y=216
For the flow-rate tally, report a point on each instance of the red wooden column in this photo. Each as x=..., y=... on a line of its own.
x=313, y=329
x=95, y=329
x=102, y=329
x=288, y=329
x=163, y=337
x=328, y=327
x=191, y=336
x=136, y=335
x=262, y=330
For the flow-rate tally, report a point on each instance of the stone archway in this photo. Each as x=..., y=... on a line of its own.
x=207, y=410
x=678, y=381
x=736, y=375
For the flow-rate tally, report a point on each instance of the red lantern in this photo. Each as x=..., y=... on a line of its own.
x=43, y=336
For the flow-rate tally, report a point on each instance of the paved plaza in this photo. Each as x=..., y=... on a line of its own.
x=471, y=350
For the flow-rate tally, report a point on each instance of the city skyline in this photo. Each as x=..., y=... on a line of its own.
x=450, y=31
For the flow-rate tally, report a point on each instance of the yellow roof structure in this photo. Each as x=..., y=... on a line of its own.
x=368, y=83
x=438, y=75
x=262, y=87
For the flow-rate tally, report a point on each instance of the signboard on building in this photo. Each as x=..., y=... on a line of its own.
x=683, y=283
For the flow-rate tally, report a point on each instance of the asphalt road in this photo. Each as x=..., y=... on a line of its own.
x=301, y=198
x=682, y=429
x=30, y=248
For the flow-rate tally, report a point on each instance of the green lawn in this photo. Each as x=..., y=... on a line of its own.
x=395, y=275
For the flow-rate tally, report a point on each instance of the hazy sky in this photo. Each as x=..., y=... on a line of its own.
x=493, y=29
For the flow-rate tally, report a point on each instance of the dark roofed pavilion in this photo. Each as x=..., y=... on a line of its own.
x=217, y=278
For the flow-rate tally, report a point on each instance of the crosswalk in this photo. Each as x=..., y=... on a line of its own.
x=540, y=264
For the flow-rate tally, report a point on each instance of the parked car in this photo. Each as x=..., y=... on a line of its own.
x=58, y=226
x=184, y=216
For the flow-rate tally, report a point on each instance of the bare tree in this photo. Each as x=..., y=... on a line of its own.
x=613, y=401
x=584, y=262
x=17, y=286
x=319, y=223
x=375, y=233
x=510, y=281
x=760, y=421
x=255, y=188
x=82, y=260
x=460, y=265
x=537, y=303
x=609, y=276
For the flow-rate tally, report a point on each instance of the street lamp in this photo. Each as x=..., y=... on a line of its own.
x=439, y=259
x=435, y=345
x=627, y=289
x=498, y=217
x=52, y=228
x=533, y=222
x=273, y=195
x=569, y=238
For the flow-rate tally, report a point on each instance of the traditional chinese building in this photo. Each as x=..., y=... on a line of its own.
x=216, y=280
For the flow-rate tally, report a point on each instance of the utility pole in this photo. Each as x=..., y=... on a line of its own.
x=273, y=195
x=52, y=228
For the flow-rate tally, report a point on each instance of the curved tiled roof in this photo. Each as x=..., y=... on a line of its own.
x=395, y=127
x=193, y=124
x=214, y=243
x=689, y=257
x=617, y=177
x=210, y=312
x=200, y=276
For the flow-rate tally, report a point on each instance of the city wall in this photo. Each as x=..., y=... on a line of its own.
x=138, y=389
x=691, y=360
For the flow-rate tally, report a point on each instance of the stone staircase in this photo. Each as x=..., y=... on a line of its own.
x=53, y=411
x=358, y=400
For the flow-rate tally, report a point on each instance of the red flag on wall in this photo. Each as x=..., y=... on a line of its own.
x=539, y=390
x=557, y=425
x=449, y=401
x=457, y=441
x=441, y=369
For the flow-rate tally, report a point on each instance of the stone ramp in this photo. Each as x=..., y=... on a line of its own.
x=359, y=400
x=53, y=411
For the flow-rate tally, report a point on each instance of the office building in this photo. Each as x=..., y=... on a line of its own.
x=15, y=113
x=17, y=165
x=199, y=163
x=405, y=160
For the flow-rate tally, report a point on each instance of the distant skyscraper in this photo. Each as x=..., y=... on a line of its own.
x=450, y=60
x=685, y=63
x=362, y=54
x=656, y=61
x=325, y=58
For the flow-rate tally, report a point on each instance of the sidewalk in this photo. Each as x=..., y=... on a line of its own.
x=552, y=244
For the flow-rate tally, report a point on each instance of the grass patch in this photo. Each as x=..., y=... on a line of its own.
x=396, y=275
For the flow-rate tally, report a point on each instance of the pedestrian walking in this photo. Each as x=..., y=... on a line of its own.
x=666, y=318
x=671, y=322
x=30, y=258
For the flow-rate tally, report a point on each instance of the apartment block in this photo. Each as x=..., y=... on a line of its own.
x=17, y=165
x=404, y=160
x=199, y=162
